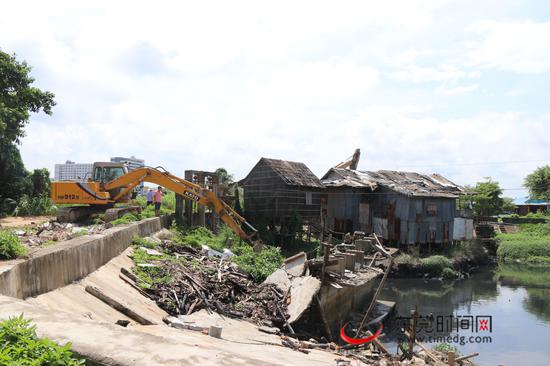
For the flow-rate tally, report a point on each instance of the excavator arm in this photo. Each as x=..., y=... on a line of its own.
x=188, y=190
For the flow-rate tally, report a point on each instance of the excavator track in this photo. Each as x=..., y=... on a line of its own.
x=76, y=213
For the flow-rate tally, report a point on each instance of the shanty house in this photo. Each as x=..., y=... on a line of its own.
x=276, y=192
x=402, y=207
x=525, y=205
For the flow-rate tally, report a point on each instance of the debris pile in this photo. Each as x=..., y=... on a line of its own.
x=198, y=281
x=50, y=232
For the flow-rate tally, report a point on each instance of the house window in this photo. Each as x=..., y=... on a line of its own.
x=309, y=200
x=431, y=209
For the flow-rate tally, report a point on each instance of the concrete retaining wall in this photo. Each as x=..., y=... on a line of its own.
x=72, y=260
x=339, y=303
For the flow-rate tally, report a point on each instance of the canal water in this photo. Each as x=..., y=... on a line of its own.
x=501, y=312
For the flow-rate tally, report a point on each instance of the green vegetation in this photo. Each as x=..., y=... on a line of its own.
x=486, y=199
x=523, y=275
x=19, y=98
x=168, y=205
x=34, y=206
x=435, y=265
x=538, y=183
x=10, y=246
x=531, y=244
x=127, y=218
x=259, y=265
x=19, y=345
x=445, y=348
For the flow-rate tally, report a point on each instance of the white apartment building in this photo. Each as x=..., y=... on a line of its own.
x=132, y=162
x=72, y=171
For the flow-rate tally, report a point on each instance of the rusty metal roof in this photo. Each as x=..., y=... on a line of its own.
x=407, y=183
x=291, y=172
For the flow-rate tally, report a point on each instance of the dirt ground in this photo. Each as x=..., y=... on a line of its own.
x=11, y=222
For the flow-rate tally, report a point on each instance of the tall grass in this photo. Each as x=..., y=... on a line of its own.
x=529, y=244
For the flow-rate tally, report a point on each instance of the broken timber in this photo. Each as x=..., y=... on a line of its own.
x=117, y=305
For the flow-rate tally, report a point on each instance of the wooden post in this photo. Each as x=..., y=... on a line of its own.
x=179, y=215
x=326, y=254
x=451, y=358
x=412, y=335
x=375, y=297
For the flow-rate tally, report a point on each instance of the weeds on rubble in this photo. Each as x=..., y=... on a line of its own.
x=19, y=345
x=446, y=348
x=152, y=274
x=126, y=219
x=10, y=246
x=142, y=242
x=258, y=265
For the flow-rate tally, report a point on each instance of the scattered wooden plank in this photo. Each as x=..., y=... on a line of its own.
x=463, y=358
x=133, y=285
x=115, y=304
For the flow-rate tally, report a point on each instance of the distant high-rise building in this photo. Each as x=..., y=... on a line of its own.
x=72, y=171
x=132, y=162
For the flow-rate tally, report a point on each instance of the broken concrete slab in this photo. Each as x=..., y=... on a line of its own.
x=163, y=234
x=280, y=279
x=295, y=265
x=302, y=292
x=150, y=251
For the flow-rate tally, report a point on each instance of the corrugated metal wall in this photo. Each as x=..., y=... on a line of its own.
x=398, y=218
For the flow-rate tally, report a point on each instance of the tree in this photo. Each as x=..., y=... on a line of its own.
x=224, y=176
x=538, y=183
x=486, y=198
x=40, y=181
x=18, y=98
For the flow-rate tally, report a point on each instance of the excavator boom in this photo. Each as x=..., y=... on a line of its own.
x=104, y=193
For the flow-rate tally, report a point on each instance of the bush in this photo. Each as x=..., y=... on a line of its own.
x=34, y=206
x=259, y=265
x=435, y=264
x=10, y=246
x=19, y=345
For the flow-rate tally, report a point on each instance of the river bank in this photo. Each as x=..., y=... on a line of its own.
x=514, y=299
x=448, y=263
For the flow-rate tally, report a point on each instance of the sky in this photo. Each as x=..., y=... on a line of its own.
x=454, y=87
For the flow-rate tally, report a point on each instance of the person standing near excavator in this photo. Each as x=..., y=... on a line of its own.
x=157, y=198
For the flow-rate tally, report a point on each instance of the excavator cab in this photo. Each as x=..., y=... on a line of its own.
x=105, y=172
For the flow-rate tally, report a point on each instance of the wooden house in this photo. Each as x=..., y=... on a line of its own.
x=277, y=192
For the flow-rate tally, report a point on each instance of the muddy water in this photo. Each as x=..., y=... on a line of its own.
x=504, y=314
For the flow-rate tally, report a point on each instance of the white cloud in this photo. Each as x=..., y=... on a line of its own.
x=198, y=85
x=457, y=90
x=522, y=47
x=414, y=73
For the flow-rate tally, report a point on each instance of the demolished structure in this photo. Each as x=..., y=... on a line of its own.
x=403, y=208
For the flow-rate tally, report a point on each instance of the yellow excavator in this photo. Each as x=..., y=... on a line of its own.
x=112, y=183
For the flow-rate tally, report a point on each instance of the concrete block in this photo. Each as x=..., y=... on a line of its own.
x=350, y=261
x=339, y=268
x=359, y=257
